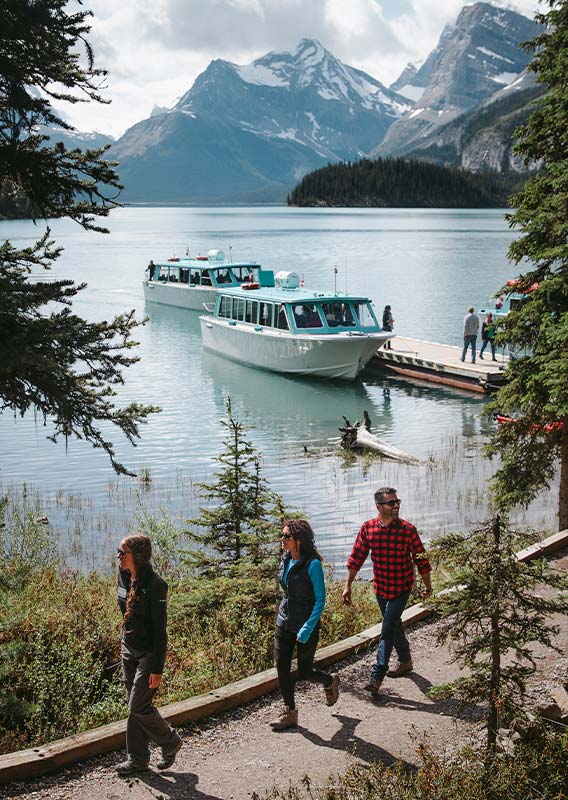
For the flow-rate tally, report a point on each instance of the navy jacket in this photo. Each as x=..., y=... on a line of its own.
x=146, y=628
x=299, y=597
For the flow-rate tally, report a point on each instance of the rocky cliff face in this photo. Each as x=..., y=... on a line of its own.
x=475, y=59
x=482, y=139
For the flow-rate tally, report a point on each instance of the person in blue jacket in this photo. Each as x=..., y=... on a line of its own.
x=298, y=622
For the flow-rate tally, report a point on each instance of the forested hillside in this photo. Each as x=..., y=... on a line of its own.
x=400, y=183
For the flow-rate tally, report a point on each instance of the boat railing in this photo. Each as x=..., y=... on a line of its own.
x=208, y=307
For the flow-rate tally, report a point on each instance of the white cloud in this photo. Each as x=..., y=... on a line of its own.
x=154, y=49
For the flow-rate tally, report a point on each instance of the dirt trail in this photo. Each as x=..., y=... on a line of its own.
x=230, y=757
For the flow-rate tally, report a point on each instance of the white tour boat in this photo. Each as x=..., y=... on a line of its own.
x=276, y=324
x=190, y=282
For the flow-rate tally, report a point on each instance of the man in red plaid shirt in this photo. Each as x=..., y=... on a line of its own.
x=395, y=547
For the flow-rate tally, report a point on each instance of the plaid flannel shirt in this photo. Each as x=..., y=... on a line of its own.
x=394, y=548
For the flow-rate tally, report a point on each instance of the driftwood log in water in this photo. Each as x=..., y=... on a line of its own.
x=355, y=437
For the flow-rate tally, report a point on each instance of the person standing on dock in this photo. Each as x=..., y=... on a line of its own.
x=388, y=324
x=395, y=547
x=488, y=335
x=300, y=576
x=470, y=331
x=142, y=598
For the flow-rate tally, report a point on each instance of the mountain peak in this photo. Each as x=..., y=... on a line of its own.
x=310, y=52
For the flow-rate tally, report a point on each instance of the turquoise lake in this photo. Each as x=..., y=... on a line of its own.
x=429, y=265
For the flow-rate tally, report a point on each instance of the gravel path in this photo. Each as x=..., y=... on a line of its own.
x=232, y=756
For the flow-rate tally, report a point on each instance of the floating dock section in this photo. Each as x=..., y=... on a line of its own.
x=441, y=363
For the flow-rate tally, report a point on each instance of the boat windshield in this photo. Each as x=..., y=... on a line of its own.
x=222, y=276
x=365, y=315
x=338, y=315
x=306, y=315
x=242, y=274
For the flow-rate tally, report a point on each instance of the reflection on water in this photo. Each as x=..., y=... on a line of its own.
x=432, y=265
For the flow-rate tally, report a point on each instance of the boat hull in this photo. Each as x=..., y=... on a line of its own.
x=332, y=357
x=180, y=295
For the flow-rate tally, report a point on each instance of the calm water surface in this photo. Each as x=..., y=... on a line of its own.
x=429, y=265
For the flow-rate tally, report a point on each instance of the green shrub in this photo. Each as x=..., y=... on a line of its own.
x=537, y=770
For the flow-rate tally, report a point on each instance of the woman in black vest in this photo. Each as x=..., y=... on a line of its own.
x=142, y=598
x=298, y=622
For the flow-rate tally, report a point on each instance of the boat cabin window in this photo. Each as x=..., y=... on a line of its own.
x=184, y=276
x=195, y=277
x=265, y=315
x=251, y=311
x=164, y=272
x=338, y=315
x=225, y=307
x=222, y=276
x=205, y=278
x=282, y=319
x=365, y=315
x=306, y=315
x=241, y=273
x=238, y=309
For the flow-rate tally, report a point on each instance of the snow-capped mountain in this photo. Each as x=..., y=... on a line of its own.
x=251, y=131
x=307, y=96
x=473, y=61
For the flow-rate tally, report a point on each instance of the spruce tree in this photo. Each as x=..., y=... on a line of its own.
x=53, y=361
x=491, y=615
x=536, y=392
x=242, y=523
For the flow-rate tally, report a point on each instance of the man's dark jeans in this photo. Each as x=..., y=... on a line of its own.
x=469, y=341
x=392, y=634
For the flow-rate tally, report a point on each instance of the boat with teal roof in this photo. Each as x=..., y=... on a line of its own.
x=187, y=282
x=274, y=323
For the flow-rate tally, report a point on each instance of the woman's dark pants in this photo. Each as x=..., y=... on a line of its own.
x=144, y=720
x=284, y=644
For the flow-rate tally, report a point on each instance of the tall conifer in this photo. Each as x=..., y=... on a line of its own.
x=536, y=391
x=53, y=361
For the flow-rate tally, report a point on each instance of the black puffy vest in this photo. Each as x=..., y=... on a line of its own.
x=299, y=597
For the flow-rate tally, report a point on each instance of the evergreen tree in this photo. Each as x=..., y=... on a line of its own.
x=52, y=360
x=243, y=525
x=537, y=384
x=492, y=615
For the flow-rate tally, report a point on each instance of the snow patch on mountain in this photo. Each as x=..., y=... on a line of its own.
x=260, y=75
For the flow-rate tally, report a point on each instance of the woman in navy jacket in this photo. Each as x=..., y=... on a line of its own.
x=298, y=622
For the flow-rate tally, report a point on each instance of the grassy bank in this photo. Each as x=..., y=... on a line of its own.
x=60, y=631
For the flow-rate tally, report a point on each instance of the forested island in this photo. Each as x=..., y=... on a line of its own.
x=403, y=183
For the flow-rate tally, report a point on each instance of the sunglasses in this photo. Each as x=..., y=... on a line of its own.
x=286, y=536
x=390, y=503
x=120, y=553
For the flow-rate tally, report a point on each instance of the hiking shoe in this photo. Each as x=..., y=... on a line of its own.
x=401, y=669
x=288, y=719
x=373, y=686
x=129, y=767
x=169, y=757
x=332, y=691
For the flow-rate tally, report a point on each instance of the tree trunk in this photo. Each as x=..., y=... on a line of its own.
x=495, y=679
x=563, y=489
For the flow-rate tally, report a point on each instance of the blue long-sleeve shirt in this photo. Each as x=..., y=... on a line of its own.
x=315, y=572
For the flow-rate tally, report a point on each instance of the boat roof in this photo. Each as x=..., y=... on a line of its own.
x=203, y=263
x=281, y=295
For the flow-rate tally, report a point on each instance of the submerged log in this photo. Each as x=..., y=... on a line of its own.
x=356, y=437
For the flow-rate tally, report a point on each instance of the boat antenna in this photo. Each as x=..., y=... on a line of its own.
x=230, y=254
x=346, y=292
x=335, y=280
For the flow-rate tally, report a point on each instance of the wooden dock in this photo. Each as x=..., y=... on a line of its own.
x=440, y=363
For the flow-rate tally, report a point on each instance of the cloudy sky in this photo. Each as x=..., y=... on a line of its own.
x=154, y=49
